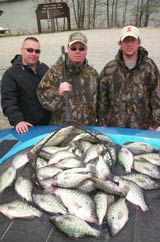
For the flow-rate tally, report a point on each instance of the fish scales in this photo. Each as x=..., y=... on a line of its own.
x=117, y=216
x=125, y=158
x=147, y=168
x=49, y=203
x=7, y=178
x=74, y=226
x=142, y=180
x=100, y=199
x=78, y=203
x=23, y=186
x=134, y=193
x=70, y=180
x=108, y=186
x=19, y=209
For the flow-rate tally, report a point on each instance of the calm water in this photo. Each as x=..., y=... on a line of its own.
x=20, y=16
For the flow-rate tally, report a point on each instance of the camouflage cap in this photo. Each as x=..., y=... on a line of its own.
x=77, y=37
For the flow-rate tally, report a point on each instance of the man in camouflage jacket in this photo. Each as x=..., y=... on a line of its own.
x=129, y=91
x=80, y=85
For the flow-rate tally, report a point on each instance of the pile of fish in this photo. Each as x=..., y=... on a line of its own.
x=72, y=179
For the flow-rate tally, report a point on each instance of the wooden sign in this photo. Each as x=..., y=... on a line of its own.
x=52, y=11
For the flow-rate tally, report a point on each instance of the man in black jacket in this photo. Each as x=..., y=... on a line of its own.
x=18, y=91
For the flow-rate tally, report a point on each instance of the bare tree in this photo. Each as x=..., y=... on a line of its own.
x=151, y=6
x=116, y=12
x=144, y=10
x=125, y=12
x=79, y=12
x=108, y=14
x=94, y=13
x=105, y=13
x=88, y=16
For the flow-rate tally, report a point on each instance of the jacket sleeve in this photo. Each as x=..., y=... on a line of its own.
x=47, y=90
x=9, y=103
x=103, y=91
x=155, y=96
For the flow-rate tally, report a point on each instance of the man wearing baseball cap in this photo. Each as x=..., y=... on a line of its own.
x=129, y=94
x=71, y=80
x=131, y=31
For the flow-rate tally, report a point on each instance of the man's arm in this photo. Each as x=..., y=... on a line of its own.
x=48, y=90
x=9, y=100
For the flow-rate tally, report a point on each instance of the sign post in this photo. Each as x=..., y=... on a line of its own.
x=52, y=11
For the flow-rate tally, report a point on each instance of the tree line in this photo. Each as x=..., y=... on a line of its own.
x=91, y=14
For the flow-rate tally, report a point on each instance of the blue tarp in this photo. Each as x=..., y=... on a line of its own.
x=35, y=134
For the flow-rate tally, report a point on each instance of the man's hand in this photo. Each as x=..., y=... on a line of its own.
x=23, y=127
x=156, y=129
x=64, y=87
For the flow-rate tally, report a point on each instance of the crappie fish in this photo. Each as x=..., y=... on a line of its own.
x=142, y=180
x=93, y=152
x=23, y=186
x=7, y=178
x=53, y=149
x=83, y=145
x=140, y=148
x=55, y=138
x=78, y=203
x=108, y=186
x=74, y=226
x=87, y=186
x=70, y=180
x=19, y=209
x=117, y=216
x=20, y=160
x=153, y=158
x=125, y=158
x=60, y=155
x=146, y=168
x=69, y=163
x=39, y=145
x=81, y=170
x=62, y=134
x=102, y=168
x=134, y=193
x=100, y=199
x=85, y=137
x=47, y=172
x=50, y=203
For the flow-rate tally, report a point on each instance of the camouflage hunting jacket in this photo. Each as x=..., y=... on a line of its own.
x=83, y=98
x=130, y=98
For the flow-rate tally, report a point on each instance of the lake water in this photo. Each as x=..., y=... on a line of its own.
x=20, y=16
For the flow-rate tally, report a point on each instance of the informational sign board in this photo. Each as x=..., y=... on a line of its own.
x=52, y=11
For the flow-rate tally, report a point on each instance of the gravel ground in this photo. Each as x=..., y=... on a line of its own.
x=102, y=47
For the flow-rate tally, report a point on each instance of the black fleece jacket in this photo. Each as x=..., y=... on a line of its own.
x=18, y=93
